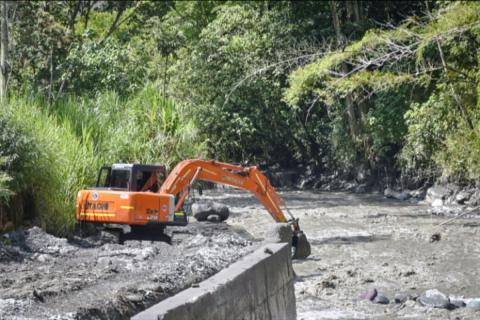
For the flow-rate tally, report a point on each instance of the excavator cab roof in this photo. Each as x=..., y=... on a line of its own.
x=128, y=176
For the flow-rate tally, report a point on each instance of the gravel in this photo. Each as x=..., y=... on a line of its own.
x=45, y=277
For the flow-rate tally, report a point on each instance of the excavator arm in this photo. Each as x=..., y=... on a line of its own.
x=180, y=181
x=249, y=178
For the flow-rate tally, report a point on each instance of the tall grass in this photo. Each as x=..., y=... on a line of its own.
x=5, y=191
x=73, y=137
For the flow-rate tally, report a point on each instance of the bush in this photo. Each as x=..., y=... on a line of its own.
x=16, y=153
x=5, y=191
x=152, y=130
x=61, y=163
x=53, y=151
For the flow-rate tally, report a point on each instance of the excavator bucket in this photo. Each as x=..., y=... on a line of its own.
x=301, y=246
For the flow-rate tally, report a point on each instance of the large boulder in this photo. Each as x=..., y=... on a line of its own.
x=434, y=299
x=390, y=193
x=440, y=193
x=202, y=210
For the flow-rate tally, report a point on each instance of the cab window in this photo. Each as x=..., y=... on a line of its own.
x=120, y=179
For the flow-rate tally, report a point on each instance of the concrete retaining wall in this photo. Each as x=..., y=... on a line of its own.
x=259, y=286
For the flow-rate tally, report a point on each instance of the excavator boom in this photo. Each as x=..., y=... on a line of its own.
x=250, y=178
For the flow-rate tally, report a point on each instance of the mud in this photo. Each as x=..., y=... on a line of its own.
x=362, y=242
x=44, y=277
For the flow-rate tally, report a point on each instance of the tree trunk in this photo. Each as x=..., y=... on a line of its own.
x=336, y=23
x=349, y=101
x=356, y=11
x=4, y=52
x=349, y=7
x=165, y=78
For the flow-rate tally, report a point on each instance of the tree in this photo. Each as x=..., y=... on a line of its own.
x=4, y=66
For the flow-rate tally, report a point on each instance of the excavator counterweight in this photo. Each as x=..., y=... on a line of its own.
x=141, y=195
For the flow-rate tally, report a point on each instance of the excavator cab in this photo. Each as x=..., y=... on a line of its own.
x=131, y=177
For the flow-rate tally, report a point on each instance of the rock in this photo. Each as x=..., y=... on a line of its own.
x=437, y=203
x=38, y=296
x=438, y=192
x=435, y=237
x=361, y=188
x=214, y=218
x=418, y=194
x=434, y=299
x=370, y=294
x=457, y=303
x=410, y=304
x=279, y=233
x=381, y=299
x=201, y=211
x=402, y=297
x=306, y=182
x=350, y=186
x=474, y=199
x=134, y=297
x=390, y=193
x=474, y=305
x=461, y=197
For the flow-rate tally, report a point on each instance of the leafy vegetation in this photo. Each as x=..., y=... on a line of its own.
x=343, y=87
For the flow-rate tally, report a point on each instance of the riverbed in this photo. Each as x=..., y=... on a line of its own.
x=362, y=242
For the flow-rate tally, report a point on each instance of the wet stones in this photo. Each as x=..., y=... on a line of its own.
x=202, y=211
x=370, y=294
x=381, y=299
x=402, y=297
x=434, y=299
x=390, y=193
x=373, y=295
x=457, y=303
x=438, y=194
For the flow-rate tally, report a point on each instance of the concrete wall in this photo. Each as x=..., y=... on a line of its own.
x=259, y=286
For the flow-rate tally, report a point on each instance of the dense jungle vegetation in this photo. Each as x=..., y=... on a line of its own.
x=388, y=89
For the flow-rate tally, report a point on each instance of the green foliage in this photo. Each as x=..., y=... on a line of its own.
x=390, y=73
x=152, y=130
x=16, y=152
x=461, y=156
x=61, y=164
x=223, y=82
x=5, y=191
x=94, y=67
x=149, y=81
x=428, y=124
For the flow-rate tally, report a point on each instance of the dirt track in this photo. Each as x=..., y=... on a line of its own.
x=44, y=277
x=362, y=241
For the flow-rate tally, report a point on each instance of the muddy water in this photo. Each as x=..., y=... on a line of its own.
x=362, y=241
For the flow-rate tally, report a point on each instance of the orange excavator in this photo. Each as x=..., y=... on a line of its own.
x=143, y=195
